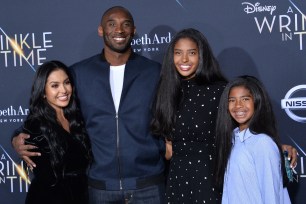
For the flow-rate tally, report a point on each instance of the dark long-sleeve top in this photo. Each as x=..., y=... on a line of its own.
x=67, y=181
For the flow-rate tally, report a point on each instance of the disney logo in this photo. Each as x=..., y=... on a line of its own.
x=251, y=8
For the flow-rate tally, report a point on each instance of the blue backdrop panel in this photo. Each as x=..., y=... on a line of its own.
x=262, y=38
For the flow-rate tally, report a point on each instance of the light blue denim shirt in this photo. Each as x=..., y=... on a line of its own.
x=253, y=173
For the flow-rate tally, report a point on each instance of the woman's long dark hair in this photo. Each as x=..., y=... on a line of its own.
x=42, y=111
x=168, y=95
x=263, y=121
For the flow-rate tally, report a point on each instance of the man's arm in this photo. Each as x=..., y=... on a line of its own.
x=168, y=154
x=18, y=142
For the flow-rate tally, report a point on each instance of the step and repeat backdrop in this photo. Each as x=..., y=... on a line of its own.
x=263, y=38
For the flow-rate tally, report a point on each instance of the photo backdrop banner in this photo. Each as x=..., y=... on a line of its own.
x=266, y=39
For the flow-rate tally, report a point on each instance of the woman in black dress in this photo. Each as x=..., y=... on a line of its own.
x=185, y=111
x=56, y=128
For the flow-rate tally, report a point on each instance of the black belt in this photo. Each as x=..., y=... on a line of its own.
x=140, y=183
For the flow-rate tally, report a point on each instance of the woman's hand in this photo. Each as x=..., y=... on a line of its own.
x=292, y=154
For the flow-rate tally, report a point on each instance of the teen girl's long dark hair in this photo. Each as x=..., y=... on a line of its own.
x=42, y=111
x=168, y=94
x=263, y=121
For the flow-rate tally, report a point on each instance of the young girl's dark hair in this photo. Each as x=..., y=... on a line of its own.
x=42, y=111
x=263, y=121
x=168, y=94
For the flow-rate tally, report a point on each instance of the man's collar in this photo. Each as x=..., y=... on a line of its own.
x=132, y=55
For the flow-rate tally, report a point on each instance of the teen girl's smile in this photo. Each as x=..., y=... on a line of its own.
x=241, y=106
x=186, y=57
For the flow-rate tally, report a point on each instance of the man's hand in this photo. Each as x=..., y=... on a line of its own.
x=292, y=155
x=22, y=149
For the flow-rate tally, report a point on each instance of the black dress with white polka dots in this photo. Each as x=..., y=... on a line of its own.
x=190, y=171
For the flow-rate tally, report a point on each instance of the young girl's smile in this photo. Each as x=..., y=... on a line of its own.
x=241, y=106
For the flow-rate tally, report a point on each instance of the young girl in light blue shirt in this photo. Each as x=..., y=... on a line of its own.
x=249, y=160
